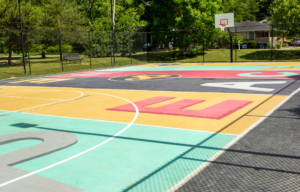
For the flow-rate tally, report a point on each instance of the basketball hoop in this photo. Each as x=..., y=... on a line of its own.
x=222, y=27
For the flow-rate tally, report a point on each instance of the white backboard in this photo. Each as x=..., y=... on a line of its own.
x=226, y=19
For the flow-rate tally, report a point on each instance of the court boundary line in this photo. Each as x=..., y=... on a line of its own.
x=219, y=153
x=85, y=151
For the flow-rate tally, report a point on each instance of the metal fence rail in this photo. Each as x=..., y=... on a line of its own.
x=44, y=49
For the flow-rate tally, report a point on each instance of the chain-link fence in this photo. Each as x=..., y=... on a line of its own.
x=44, y=50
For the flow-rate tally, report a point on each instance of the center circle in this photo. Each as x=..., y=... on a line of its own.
x=145, y=77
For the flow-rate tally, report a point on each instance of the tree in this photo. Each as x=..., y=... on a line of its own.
x=61, y=15
x=244, y=10
x=285, y=17
x=9, y=19
x=226, y=38
x=172, y=15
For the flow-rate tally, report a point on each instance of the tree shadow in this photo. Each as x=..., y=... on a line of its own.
x=277, y=55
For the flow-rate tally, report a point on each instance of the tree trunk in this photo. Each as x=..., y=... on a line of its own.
x=60, y=51
x=10, y=48
x=43, y=54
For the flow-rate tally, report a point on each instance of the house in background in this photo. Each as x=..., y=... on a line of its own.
x=253, y=30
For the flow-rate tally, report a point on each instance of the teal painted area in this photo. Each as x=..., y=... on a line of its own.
x=257, y=74
x=143, y=158
x=14, y=146
x=195, y=68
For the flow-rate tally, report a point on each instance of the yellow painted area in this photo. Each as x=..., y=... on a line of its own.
x=93, y=106
x=222, y=64
x=41, y=80
x=145, y=77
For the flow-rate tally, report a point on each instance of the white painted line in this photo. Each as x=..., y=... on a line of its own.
x=204, y=165
x=90, y=149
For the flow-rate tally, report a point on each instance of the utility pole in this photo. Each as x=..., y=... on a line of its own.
x=24, y=67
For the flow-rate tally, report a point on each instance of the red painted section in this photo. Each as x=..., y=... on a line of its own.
x=217, y=111
x=186, y=74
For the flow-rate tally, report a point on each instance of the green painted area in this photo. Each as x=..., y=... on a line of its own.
x=257, y=74
x=143, y=158
x=205, y=68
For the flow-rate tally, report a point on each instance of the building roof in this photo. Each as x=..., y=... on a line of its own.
x=249, y=26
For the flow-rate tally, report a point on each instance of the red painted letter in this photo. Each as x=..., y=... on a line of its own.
x=217, y=111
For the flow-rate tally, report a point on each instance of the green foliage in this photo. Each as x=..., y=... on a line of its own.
x=278, y=46
x=251, y=43
x=243, y=10
x=286, y=12
x=215, y=45
x=196, y=50
x=64, y=49
x=270, y=45
x=2, y=47
x=183, y=14
x=226, y=38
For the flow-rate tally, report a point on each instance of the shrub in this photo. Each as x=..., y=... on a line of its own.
x=64, y=49
x=252, y=44
x=270, y=46
x=278, y=46
x=197, y=50
x=51, y=49
x=215, y=46
x=37, y=48
x=2, y=43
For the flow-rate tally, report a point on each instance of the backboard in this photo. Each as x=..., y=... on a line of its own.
x=225, y=20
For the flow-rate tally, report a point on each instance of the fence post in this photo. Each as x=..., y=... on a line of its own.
x=236, y=46
x=62, y=61
x=272, y=43
x=147, y=45
x=174, y=47
x=231, y=47
x=90, y=50
x=22, y=38
x=203, y=45
x=28, y=53
x=110, y=49
x=130, y=48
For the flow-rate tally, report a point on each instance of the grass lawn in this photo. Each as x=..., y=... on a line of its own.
x=223, y=55
x=52, y=65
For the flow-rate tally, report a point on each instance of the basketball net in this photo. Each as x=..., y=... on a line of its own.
x=222, y=27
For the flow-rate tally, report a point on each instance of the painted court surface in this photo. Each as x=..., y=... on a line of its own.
x=150, y=127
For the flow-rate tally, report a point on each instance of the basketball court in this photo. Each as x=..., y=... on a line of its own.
x=151, y=127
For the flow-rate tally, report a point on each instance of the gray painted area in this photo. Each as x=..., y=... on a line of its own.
x=52, y=141
x=176, y=84
x=266, y=159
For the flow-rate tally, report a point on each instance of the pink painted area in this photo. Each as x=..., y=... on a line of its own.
x=187, y=74
x=217, y=111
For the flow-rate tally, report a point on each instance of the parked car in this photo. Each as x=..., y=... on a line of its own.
x=297, y=42
x=148, y=46
x=153, y=47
